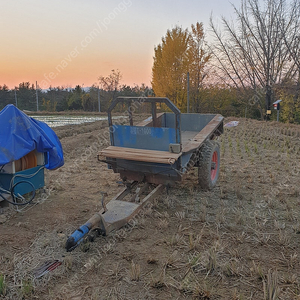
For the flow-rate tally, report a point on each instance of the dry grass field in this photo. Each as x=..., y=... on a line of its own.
x=240, y=241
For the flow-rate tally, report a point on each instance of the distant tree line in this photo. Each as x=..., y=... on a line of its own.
x=57, y=99
x=213, y=98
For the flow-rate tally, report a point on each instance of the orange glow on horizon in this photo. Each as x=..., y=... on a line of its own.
x=68, y=43
x=69, y=72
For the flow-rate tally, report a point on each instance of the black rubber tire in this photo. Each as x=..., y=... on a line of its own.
x=205, y=165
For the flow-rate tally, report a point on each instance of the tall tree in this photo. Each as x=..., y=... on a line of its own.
x=110, y=85
x=26, y=96
x=88, y=103
x=171, y=66
x=252, y=51
x=5, y=96
x=198, y=59
x=180, y=52
x=75, y=98
x=290, y=27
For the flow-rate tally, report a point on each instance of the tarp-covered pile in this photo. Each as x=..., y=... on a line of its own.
x=20, y=134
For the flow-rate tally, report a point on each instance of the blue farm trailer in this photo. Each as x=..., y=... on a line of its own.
x=152, y=154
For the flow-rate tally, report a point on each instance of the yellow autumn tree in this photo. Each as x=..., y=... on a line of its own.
x=198, y=59
x=180, y=52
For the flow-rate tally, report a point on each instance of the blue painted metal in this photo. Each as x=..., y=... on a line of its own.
x=189, y=122
x=178, y=128
x=80, y=233
x=141, y=137
x=169, y=128
x=77, y=236
x=137, y=101
x=34, y=175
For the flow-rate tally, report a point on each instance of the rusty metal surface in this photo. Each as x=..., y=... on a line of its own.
x=116, y=214
x=150, y=177
x=118, y=210
x=126, y=191
x=121, y=212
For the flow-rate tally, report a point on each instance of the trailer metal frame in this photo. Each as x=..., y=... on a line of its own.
x=157, y=152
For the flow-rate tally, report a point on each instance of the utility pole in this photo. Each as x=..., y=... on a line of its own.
x=16, y=97
x=99, y=99
x=37, y=96
x=188, y=92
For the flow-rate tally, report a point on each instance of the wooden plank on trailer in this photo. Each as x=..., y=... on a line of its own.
x=163, y=157
x=144, y=151
x=141, y=158
x=139, y=152
x=205, y=133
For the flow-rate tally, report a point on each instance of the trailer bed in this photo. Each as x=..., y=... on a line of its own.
x=158, y=149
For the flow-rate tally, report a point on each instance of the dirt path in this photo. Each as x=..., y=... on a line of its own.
x=240, y=241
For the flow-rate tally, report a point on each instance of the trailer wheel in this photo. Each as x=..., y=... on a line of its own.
x=209, y=165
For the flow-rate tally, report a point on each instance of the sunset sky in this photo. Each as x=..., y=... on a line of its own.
x=70, y=42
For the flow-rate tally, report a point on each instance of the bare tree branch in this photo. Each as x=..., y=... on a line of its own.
x=263, y=47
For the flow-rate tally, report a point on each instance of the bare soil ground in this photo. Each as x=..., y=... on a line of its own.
x=239, y=241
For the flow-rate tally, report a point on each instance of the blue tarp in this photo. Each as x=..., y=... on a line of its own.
x=20, y=134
